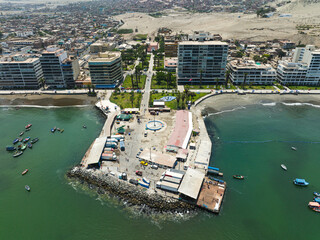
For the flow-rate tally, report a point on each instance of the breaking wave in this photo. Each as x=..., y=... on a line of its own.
x=225, y=111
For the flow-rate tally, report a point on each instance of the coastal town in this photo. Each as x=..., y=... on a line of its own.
x=148, y=86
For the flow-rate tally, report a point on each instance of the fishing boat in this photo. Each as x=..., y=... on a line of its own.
x=238, y=177
x=29, y=145
x=293, y=148
x=317, y=199
x=313, y=205
x=28, y=126
x=316, y=209
x=21, y=133
x=15, y=141
x=300, y=182
x=28, y=129
x=316, y=194
x=27, y=188
x=26, y=139
x=53, y=129
x=23, y=147
x=284, y=167
x=62, y=130
x=10, y=148
x=20, y=139
x=58, y=129
x=34, y=140
x=17, y=154
x=84, y=126
x=24, y=172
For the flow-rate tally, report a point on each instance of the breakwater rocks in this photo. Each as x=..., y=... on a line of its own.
x=131, y=195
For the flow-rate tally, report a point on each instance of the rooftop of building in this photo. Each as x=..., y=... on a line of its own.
x=106, y=57
x=19, y=59
x=203, y=43
x=249, y=64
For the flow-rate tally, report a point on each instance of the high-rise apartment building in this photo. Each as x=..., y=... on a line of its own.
x=303, y=70
x=106, y=70
x=20, y=72
x=202, y=62
x=56, y=67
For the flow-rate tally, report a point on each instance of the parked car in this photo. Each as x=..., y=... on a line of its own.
x=133, y=181
x=144, y=163
x=139, y=173
x=154, y=166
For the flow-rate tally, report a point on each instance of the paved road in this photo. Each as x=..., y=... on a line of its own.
x=147, y=88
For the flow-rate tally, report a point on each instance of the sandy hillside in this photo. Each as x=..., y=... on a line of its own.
x=229, y=25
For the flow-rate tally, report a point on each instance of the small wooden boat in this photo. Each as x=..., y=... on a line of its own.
x=53, y=129
x=26, y=139
x=17, y=154
x=58, y=129
x=62, y=130
x=29, y=145
x=293, y=148
x=313, y=205
x=34, y=140
x=21, y=133
x=284, y=167
x=317, y=199
x=23, y=147
x=10, y=148
x=84, y=126
x=15, y=141
x=20, y=139
x=27, y=188
x=28, y=129
x=28, y=126
x=316, y=194
x=24, y=172
x=238, y=177
x=316, y=209
x=300, y=182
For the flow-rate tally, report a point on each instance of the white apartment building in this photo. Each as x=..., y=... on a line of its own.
x=248, y=72
x=303, y=70
x=20, y=72
x=106, y=70
x=205, y=61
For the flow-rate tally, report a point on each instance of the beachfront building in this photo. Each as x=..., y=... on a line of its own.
x=20, y=72
x=106, y=70
x=249, y=72
x=56, y=68
x=303, y=70
x=170, y=48
x=202, y=62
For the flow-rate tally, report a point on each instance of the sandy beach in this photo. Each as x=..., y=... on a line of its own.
x=229, y=102
x=47, y=100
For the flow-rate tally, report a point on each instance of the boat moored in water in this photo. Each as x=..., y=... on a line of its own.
x=10, y=148
x=284, y=167
x=27, y=188
x=316, y=209
x=28, y=126
x=53, y=129
x=15, y=141
x=26, y=139
x=29, y=145
x=34, y=140
x=21, y=133
x=62, y=130
x=240, y=177
x=293, y=148
x=316, y=194
x=314, y=204
x=17, y=154
x=300, y=182
x=317, y=199
x=24, y=172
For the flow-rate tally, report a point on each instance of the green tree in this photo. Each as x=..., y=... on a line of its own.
x=178, y=99
x=42, y=81
x=160, y=76
x=244, y=80
x=132, y=86
x=227, y=78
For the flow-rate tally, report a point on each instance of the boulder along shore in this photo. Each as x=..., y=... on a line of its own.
x=128, y=193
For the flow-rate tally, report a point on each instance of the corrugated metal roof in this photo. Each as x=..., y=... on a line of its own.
x=96, y=150
x=191, y=183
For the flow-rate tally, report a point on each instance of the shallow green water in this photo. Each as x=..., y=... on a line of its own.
x=264, y=206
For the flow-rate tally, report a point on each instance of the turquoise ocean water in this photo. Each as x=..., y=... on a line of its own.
x=252, y=141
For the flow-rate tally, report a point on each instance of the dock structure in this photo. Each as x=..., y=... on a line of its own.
x=211, y=195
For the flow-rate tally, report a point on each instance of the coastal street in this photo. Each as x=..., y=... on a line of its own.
x=146, y=94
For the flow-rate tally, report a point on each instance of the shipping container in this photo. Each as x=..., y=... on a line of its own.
x=118, y=137
x=143, y=184
x=214, y=168
x=108, y=149
x=111, y=146
x=172, y=180
x=112, y=139
x=173, y=174
x=108, y=152
x=169, y=186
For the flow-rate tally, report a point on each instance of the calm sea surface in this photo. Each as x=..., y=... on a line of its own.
x=252, y=141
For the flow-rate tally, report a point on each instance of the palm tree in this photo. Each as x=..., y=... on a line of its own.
x=132, y=97
x=244, y=80
x=42, y=81
x=201, y=78
x=178, y=99
x=227, y=78
x=132, y=81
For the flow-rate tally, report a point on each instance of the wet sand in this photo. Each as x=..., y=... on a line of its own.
x=47, y=100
